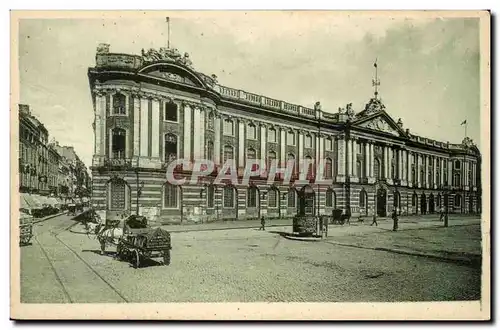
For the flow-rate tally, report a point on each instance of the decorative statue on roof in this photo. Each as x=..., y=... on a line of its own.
x=317, y=106
x=400, y=123
x=186, y=60
x=103, y=48
x=341, y=111
x=209, y=80
x=151, y=55
x=467, y=142
x=349, y=110
x=214, y=79
x=374, y=105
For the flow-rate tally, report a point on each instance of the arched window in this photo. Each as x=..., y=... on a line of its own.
x=292, y=197
x=414, y=200
x=362, y=198
x=376, y=169
x=228, y=195
x=422, y=176
x=429, y=178
x=251, y=132
x=458, y=200
x=210, y=121
x=328, y=168
x=228, y=153
x=118, y=143
x=228, y=127
x=290, y=139
x=118, y=195
x=210, y=150
x=310, y=165
x=330, y=198
x=170, y=148
x=291, y=159
x=272, y=198
x=271, y=135
x=170, y=111
x=271, y=156
x=170, y=196
x=457, y=164
x=359, y=169
x=210, y=196
x=119, y=104
x=456, y=180
x=329, y=144
x=252, y=194
x=308, y=141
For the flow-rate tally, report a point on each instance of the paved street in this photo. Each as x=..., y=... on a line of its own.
x=355, y=263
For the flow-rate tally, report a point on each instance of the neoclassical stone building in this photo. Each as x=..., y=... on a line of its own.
x=155, y=107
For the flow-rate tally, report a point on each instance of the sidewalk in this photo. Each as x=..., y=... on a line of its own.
x=224, y=225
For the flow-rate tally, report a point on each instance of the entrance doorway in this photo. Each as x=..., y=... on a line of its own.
x=382, y=203
x=397, y=202
x=431, y=204
x=423, y=204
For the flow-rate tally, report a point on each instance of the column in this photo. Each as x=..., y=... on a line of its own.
x=400, y=164
x=434, y=169
x=371, y=158
x=441, y=166
x=217, y=132
x=321, y=148
x=354, y=158
x=384, y=165
x=144, y=130
x=301, y=146
x=367, y=159
x=196, y=136
x=417, y=168
x=474, y=165
x=341, y=157
x=100, y=126
x=349, y=157
x=450, y=178
x=202, y=133
x=155, y=128
x=282, y=156
x=263, y=143
x=187, y=132
x=241, y=143
x=137, y=122
x=409, y=161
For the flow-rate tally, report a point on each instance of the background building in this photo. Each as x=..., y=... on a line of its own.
x=154, y=108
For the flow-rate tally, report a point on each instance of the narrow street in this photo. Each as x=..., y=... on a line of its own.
x=247, y=265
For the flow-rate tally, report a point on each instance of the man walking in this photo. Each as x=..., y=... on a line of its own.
x=395, y=220
x=374, y=221
x=441, y=216
x=262, y=223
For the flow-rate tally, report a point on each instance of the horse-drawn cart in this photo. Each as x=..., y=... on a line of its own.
x=140, y=242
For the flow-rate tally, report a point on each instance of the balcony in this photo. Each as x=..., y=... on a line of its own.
x=118, y=162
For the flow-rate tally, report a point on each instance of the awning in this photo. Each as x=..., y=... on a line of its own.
x=53, y=201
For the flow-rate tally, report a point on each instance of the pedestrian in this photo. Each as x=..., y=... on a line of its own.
x=441, y=215
x=262, y=223
x=374, y=221
x=395, y=220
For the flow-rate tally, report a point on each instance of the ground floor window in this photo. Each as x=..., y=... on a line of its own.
x=292, y=197
x=228, y=197
x=330, y=198
x=170, y=196
x=272, y=198
x=118, y=191
x=252, y=193
x=458, y=200
x=414, y=200
x=210, y=196
x=362, y=199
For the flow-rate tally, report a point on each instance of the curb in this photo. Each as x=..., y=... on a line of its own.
x=50, y=217
x=214, y=229
x=303, y=239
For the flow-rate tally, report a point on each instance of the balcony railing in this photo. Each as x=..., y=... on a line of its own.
x=118, y=162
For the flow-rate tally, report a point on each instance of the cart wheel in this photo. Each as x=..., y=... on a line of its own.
x=137, y=261
x=166, y=257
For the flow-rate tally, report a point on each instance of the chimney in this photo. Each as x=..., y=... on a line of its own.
x=24, y=109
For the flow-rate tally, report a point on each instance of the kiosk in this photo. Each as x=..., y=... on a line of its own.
x=306, y=223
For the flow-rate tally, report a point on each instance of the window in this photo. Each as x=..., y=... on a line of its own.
x=414, y=200
x=291, y=159
x=292, y=197
x=251, y=132
x=228, y=127
x=308, y=141
x=118, y=142
x=170, y=111
x=271, y=156
x=329, y=144
x=290, y=138
x=210, y=150
x=170, y=148
x=458, y=200
x=210, y=196
x=272, y=198
x=118, y=195
x=393, y=171
x=422, y=176
x=330, y=198
x=252, y=193
x=359, y=169
x=228, y=153
x=328, y=168
x=228, y=196
x=376, y=169
x=119, y=104
x=362, y=198
x=457, y=164
x=429, y=177
x=271, y=135
x=251, y=153
x=210, y=121
x=170, y=196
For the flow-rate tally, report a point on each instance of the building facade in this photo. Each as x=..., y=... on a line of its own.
x=154, y=108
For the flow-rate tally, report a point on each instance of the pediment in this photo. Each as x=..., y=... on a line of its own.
x=174, y=77
x=382, y=124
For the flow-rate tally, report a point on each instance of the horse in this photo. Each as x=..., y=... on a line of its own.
x=104, y=234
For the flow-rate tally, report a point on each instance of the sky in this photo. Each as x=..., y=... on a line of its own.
x=428, y=68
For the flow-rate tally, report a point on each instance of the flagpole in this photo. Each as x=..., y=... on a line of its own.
x=168, y=35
